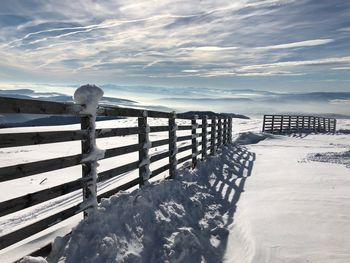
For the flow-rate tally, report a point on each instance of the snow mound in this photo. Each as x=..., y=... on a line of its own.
x=331, y=157
x=252, y=137
x=179, y=220
x=160, y=223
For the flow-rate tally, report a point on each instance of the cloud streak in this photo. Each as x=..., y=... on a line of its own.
x=184, y=41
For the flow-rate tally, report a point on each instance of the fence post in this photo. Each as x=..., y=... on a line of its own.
x=194, y=140
x=281, y=125
x=314, y=123
x=224, y=137
x=172, y=147
x=230, y=130
x=143, y=136
x=88, y=96
x=318, y=124
x=303, y=123
x=219, y=132
x=213, y=135
x=264, y=120
x=289, y=123
x=335, y=126
x=204, y=136
x=273, y=124
x=309, y=124
x=87, y=146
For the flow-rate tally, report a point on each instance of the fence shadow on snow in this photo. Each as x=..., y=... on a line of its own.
x=228, y=175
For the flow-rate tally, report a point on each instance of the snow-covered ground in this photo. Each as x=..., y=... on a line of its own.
x=267, y=198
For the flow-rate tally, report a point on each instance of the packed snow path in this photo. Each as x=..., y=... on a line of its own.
x=294, y=209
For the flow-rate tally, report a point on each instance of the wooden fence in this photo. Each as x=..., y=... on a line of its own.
x=294, y=123
x=214, y=132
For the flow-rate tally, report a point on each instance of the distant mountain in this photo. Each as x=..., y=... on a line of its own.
x=30, y=94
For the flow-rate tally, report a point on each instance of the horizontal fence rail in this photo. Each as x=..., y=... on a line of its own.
x=295, y=123
x=205, y=137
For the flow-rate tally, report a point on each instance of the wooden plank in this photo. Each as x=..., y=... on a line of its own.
x=184, y=138
x=34, y=138
x=184, y=116
x=159, y=128
x=103, y=176
x=160, y=143
x=184, y=148
x=29, y=230
x=158, y=114
x=12, y=105
x=117, y=111
x=130, y=112
x=104, y=133
x=123, y=187
x=27, y=169
x=122, y=150
x=28, y=200
x=184, y=159
x=184, y=127
x=159, y=156
x=160, y=170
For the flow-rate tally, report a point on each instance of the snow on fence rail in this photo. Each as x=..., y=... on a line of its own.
x=294, y=123
x=220, y=133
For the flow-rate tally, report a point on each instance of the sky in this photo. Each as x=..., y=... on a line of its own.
x=275, y=45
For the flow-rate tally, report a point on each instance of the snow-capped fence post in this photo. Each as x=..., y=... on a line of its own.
x=219, y=132
x=143, y=137
x=230, y=130
x=88, y=96
x=213, y=135
x=204, y=136
x=194, y=140
x=172, y=146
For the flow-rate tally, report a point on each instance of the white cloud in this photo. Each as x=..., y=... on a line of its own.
x=323, y=61
x=306, y=43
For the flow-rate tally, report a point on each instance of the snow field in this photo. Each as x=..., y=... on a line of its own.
x=266, y=201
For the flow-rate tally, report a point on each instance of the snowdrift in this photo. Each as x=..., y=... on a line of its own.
x=180, y=220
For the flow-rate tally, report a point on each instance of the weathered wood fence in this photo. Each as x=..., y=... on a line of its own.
x=294, y=123
x=214, y=132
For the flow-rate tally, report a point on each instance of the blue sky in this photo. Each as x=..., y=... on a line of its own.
x=280, y=45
